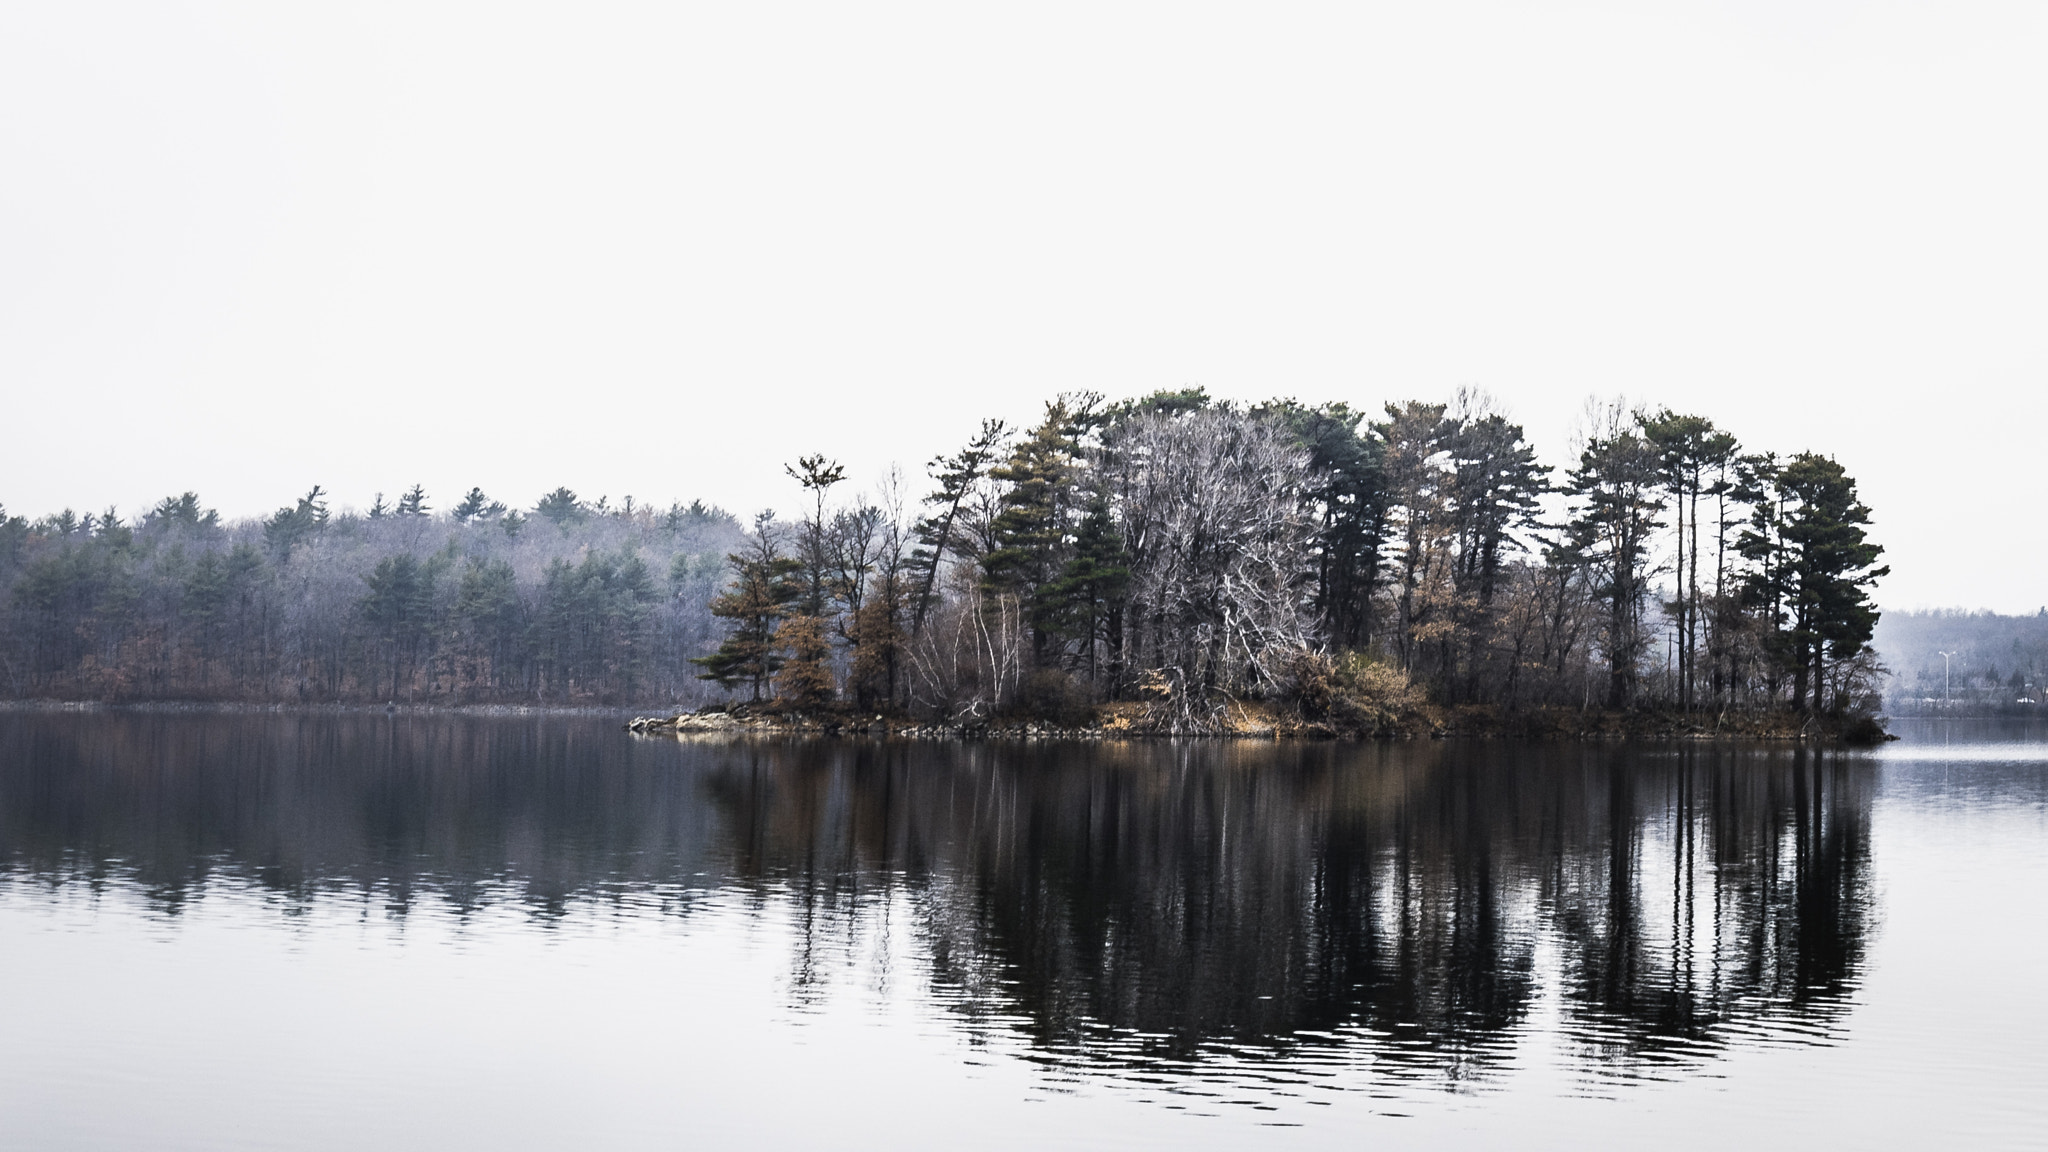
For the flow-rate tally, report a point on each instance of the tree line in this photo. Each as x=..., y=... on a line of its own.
x=570, y=602
x=1174, y=553
x=1950, y=662
x=1190, y=554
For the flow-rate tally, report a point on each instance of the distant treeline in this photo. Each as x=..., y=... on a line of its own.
x=571, y=603
x=1172, y=551
x=1995, y=664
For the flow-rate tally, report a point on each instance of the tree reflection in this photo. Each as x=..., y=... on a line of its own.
x=1114, y=904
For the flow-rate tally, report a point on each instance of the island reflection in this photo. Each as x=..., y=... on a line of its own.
x=1120, y=905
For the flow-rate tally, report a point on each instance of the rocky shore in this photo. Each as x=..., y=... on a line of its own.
x=1120, y=722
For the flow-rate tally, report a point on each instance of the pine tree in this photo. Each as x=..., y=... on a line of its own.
x=1617, y=482
x=474, y=505
x=1690, y=449
x=1495, y=489
x=290, y=527
x=488, y=609
x=763, y=589
x=1829, y=567
x=1031, y=529
x=1347, y=496
x=956, y=475
x=560, y=507
x=399, y=608
x=414, y=502
x=1420, y=525
x=1087, y=600
x=181, y=510
x=817, y=475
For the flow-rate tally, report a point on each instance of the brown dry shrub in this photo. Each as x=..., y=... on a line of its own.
x=1355, y=692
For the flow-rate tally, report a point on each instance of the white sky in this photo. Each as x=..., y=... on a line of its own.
x=659, y=250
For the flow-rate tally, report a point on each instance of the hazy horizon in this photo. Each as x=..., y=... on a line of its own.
x=659, y=252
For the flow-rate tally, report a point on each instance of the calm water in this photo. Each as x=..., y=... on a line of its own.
x=347, y=932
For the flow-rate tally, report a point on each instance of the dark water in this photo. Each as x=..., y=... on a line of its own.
x=348, y=932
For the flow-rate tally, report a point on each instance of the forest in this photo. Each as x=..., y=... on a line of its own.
x=572, y=602
x=1965, y=663
x=1173, y=558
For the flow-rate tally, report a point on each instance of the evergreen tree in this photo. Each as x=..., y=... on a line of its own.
x=1828, y=569
x=1694, y=455
x=289, y=527
x=1088, y=597
x=560, y=507
x=399, y=608
x=1347, y=496
x=1617, y=484
x=817, y=475
x=764, y=587
x=1495, y=488
x=1168, y=401
x=1421, y=528
x=474, y=505
x=13, y=540
x=1031, y=530
x=174, y=511
x=956, y=475
x=487, y=608
x=414, y=502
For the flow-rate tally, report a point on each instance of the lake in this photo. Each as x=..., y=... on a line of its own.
x=395, y=932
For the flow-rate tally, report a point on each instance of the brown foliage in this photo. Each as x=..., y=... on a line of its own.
x=805, y=679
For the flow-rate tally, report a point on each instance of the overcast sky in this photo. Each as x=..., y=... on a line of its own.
x=658, y=250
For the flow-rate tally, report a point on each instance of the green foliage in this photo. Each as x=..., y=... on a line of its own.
x=1085, y=603
x=936, y=536
x=696, y=517
x=1031, y=530
x=1815, y=567
x=476, y=506
x=1347, y=495
x=487, y=597
x=592, y=621
x=1167, y=540
x=13, y=539
x=1170, y=401
x=817, y=475
x=289, y=527
x=400, y=610
x=1618, y=486
x=1496, y=488
x=765, y=586
x=181, y=511
x=560, y=507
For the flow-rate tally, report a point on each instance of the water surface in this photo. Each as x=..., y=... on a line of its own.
x=222, y=931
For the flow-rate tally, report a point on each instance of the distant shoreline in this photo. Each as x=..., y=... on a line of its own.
x=247, y=707
x=1534, y=725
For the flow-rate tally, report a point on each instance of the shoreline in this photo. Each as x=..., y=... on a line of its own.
x=1534, y=726
x=1462, y=724
x=246, y=708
